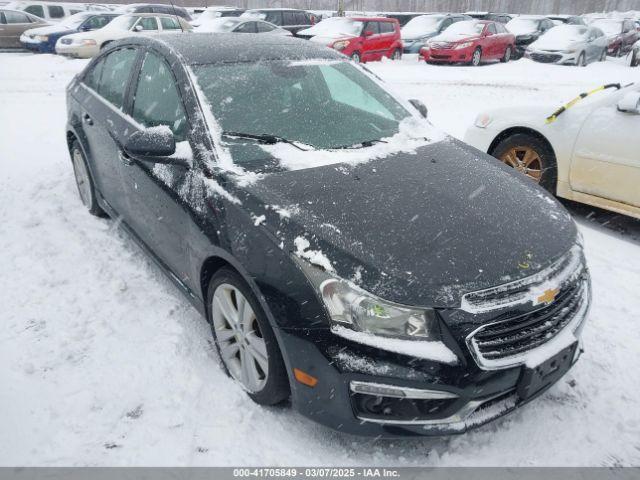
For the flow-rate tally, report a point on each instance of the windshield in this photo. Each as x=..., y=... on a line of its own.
x=124, y=22
x=219, y=25
x=468, y=28
x=74, y=21
x=336, y=26
x=521, y=26
x=321, y=104
x=422, y=25
x=565, y=33
x=609, y=27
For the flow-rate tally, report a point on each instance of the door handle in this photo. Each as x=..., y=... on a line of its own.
x=87, y=119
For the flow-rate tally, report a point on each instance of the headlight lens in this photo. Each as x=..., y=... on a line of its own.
x=483, y=120
x=42, y=38
x=88, y=42
x=463, y=45
x=341, y=45
x=351, y=307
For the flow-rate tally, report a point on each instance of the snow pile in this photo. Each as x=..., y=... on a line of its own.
x=316, y=257
x=413, y=134
x=428, y=350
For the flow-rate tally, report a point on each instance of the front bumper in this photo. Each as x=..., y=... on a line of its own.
x=367, y=391
x=77, y=51
x=557, y=57
x=447, y=55
x=412, y=46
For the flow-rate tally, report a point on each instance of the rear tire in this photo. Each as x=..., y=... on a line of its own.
x=84, y=182
x=243, y=337
x=507, y=55
x=603, y=57
x=477, y=57
x=396, y=54
x=540, y=162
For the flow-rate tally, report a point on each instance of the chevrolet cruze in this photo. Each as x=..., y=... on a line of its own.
x=350, y=258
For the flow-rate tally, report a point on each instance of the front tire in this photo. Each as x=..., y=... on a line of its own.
x=531, y=156
x=84, y=182
x=603, y=57
x=244, y=339
x=355, y=57
x=477, y=57
x=582, y=60
x=507, y=55
x=396, y=54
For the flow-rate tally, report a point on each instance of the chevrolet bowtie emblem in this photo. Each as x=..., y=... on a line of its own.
x=548, y=296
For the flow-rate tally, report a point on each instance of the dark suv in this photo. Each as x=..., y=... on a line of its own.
x=325, y=229
x=287, y=18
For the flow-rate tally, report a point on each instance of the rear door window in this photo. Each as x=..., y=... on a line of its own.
x=492, y=28
x=274, y=17
x=94, y=23
x=156, y=81
x=37, y=10
x=289, y=18
x=265, y=27
x=387, y=27
x=55, y=11
x=115, y=75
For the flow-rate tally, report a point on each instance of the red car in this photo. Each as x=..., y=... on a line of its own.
x=363, y=39
x=471, y=42
x=622, y=34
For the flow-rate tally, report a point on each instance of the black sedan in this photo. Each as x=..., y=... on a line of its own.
x=349, y=257
x=527, y=29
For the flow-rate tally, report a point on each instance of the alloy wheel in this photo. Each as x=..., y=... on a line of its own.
x=355, y=57
x=242, y=345
x=397, y=55
x=477, y=55
x=525, y=160
x=82, y=178
x=507, y=54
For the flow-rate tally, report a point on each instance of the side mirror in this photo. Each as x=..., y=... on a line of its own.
x=156, y=144
x=138, y=28
x=420, y=107
x=630, y=103
x=86, y=28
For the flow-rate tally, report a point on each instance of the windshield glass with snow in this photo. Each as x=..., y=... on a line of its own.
x=521, y=26
x=421, y=25
x=565, y=34
x=468, y=28
x=74, y=21
x=609, y=27
x=121, y=23
x=323, y=105
x=336, y=26
x=219, y=25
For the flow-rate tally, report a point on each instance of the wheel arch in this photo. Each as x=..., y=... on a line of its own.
x=515, y=130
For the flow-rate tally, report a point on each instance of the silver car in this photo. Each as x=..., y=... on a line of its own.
x=569, y=45
x=634, y=55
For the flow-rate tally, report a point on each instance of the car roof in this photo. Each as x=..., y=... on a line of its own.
x=275, y=9
x=196, y=48
x=375, y=19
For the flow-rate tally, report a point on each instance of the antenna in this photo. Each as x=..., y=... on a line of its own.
x=175, y=14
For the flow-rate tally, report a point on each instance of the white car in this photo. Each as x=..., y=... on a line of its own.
x=569, y=44
x=88, y=44
x=241, y=25
x=587, y=151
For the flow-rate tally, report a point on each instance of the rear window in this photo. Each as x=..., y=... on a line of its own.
x=55, y=11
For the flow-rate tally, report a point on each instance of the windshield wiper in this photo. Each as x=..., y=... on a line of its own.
x=366, y=143
x=268, y=139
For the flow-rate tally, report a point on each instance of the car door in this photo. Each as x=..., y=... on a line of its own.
x=154, y=190
x=593, y=48
x=371, y=44
x=492, y=41
x=12, y=25
x=387, y=36
x=102, y=118
x=606, y=159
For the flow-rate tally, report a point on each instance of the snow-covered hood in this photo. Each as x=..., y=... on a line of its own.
x=48, y=30
x=455, y=38
x=554, y=44
x=332, y=37
x=417, y=228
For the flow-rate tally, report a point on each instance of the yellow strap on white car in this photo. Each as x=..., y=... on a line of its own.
x=554, y=116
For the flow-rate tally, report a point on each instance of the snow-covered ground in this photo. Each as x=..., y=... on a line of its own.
x=102, y=362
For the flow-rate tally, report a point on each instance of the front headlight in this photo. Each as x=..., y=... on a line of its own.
x=463, y=45
x=352, y=307
x=483, y=120
x=341, y=45
x=42, y=38
x=88, y=42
